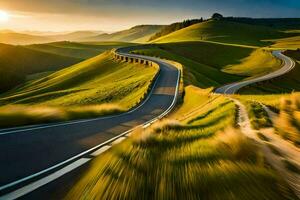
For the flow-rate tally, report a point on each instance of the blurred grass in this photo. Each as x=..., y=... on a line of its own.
x=287, y=124
x=258, y=116
x=202, y=159
x=18, y=115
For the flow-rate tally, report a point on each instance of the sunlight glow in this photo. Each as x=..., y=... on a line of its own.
x=4, y=16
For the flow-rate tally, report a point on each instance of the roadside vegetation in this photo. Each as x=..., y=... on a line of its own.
x=258, y=116
x=99, y=80
x=183, y=159
x=288, y=122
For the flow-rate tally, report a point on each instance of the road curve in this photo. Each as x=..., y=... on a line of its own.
x=30, y=153
x=288, y=65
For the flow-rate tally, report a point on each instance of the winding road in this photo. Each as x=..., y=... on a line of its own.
x=288, y=65
x=35, y=156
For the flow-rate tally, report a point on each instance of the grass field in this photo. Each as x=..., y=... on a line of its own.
x=209, y=66
x=77, y=50
x=99, y=80
x=225, y=32
x=16, y=62
x=291, y=43
x=258, y=116
x=198, y=159
x=281, y=85
x=259, y=63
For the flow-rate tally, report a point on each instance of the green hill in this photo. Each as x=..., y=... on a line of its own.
x=94, y=81
x=77, y=50
x=141, y=33
x=209, y=64
x=224, y=32
x=94, y=87
x=282, y=85
x=17, y=62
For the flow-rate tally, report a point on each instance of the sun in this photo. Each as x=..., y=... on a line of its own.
x=4, y=16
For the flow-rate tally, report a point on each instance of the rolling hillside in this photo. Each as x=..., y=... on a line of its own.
x=77, y=50
x=17, y=62
x=96, y=80
x=94, y=87
x=282, y=85
x=214, y=64
x=141, y=33
x=224, y=32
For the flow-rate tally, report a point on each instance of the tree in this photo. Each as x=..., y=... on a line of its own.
x=217, y=16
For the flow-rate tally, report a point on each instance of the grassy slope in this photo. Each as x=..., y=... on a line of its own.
x=259, y=63
x=224, y=32
x=200, y=159
x=77, y=50
x=140, y=33
x=287, y=43
x=284, y=84
x=207, y=67
x=16, y=62
x=76, y=90
x=94, y=81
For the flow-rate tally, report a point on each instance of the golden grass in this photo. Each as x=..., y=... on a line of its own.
x=203, y=159
x=287, y=124
x=17, y=115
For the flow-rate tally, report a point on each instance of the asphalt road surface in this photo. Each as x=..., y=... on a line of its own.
x=36, y=155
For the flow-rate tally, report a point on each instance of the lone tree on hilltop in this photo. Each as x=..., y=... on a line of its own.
x=217, y=16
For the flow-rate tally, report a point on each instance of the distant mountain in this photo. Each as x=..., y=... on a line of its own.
x=75, y=36
x=10, y=37
x=23, y=38
x=141, y=33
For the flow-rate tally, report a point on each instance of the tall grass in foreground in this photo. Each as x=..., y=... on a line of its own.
x=17, y=115
x=203, y=159
x=288, y=122
x=258, y=116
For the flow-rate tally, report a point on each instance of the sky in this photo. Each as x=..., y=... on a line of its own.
x=113, y=15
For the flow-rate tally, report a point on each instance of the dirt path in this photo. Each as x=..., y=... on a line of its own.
x=283, y=149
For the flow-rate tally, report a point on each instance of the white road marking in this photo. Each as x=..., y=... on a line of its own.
x=101, y=150
x=117, y=141
x=39, y=183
